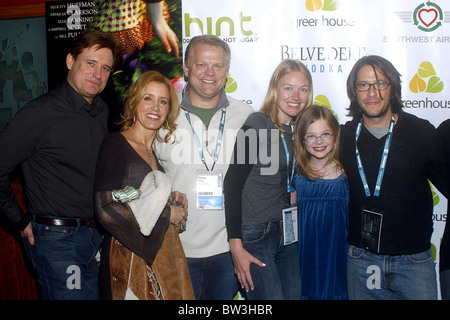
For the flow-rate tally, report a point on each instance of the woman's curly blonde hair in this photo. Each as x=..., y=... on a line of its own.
x=136, y=93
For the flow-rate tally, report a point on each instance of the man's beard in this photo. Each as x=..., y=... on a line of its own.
x=381, y=114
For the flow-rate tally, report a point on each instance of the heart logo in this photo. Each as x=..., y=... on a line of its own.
x=428, y=16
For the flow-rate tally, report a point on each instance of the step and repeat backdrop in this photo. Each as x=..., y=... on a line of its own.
x=329, y=37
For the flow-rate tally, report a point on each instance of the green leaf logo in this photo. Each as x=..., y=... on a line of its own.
x=435, y=85
x=321, y=100
x=426, y=70
x=434, y=194
x=330, y=5
x=231, y=85
x=313, y=5
x=326, y=5
x=419, y=83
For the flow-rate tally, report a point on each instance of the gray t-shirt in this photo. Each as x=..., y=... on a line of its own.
x=262, y=179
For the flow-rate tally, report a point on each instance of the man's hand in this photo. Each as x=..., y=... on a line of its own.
x=28, y=231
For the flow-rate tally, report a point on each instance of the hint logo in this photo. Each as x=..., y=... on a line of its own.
x=326, y=5
x=426, y=80
x=211, y=27
x=428, y=16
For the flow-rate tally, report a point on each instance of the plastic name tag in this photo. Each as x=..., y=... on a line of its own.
x=209, y=190
x=290, y=225
x=372, y=224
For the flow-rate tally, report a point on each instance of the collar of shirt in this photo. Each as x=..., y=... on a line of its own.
x=80, y=104
x=186, y=103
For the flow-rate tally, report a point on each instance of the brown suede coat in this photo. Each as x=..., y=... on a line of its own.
x=166, y=279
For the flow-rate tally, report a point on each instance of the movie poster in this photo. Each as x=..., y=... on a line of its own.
x=23, y=67
x=130, y=23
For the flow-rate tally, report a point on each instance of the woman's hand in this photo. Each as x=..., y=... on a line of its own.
x=178, y=210
x=178, y=215
x=242, y=260
x=180, y=199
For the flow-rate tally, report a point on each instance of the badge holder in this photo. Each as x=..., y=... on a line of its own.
x=209, y=190
x=372, y=223
x=290, y=224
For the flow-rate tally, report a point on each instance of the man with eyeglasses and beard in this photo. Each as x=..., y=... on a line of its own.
x=389, y=157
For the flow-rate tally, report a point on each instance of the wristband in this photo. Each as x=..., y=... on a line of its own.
x=126, y=194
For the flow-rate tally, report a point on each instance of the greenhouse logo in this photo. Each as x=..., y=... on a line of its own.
x=326, y=5
x=325, y=21
x=426, y=79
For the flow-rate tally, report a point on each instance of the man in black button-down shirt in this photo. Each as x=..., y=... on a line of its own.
x=55, y=138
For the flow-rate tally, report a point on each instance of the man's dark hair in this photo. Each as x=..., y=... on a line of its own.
x=380, y=66
x=99, y=38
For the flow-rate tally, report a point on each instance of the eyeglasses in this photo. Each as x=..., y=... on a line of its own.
x=310, y=138
x=379, y=85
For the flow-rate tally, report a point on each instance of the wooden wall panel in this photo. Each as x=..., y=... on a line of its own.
x=17, y=277
x=31, y=10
